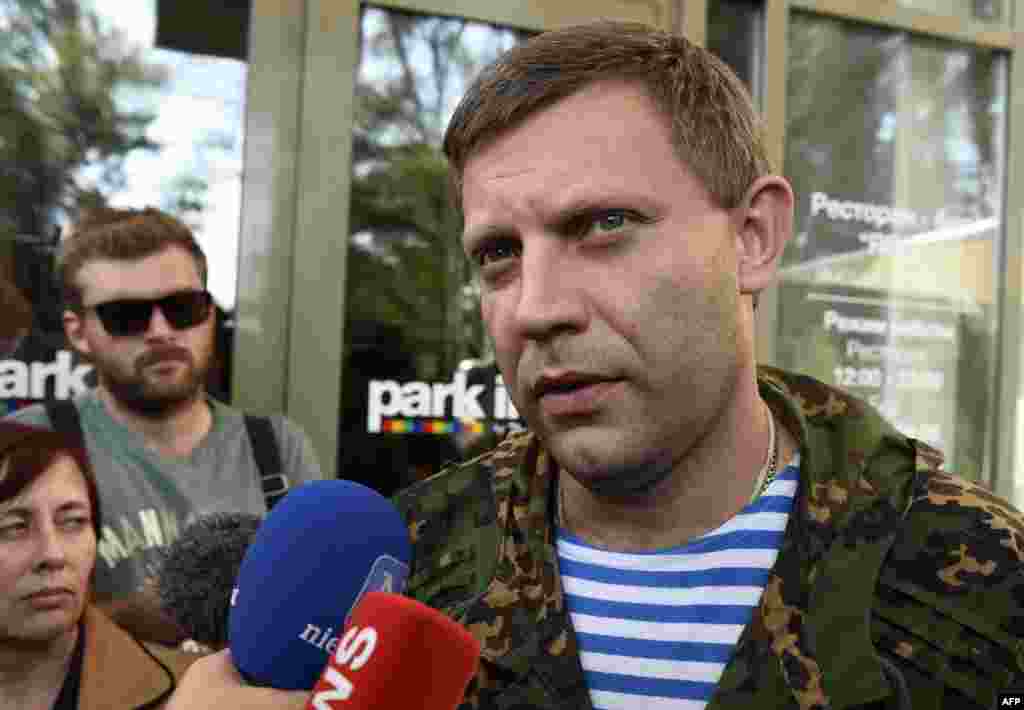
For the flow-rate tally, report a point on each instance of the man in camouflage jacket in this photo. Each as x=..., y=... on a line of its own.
x=898, y=585
x=622, y=217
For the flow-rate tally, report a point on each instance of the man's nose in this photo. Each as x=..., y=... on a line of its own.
x=551, y=294
x=158, y=323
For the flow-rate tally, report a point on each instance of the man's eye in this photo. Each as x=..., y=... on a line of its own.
x=495, y=251
x=75, y=523
x=610, y=221
x=602, y=222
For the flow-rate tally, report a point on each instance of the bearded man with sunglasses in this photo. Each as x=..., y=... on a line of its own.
x=137, y=308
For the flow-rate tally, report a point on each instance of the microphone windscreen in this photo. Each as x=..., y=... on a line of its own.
x=197, y=572
x=322, y=547
x=397, y=653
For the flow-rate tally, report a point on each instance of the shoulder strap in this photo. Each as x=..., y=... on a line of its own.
x=63, y=416
x=273, y=480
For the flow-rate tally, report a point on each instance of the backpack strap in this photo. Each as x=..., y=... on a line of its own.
x=274, y=482
x=63, y=416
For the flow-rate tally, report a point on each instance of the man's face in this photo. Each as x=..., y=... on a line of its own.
x=47, y=554
x=609, y=285
x=161, y=368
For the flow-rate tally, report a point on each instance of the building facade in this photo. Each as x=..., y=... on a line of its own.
x=301, y=138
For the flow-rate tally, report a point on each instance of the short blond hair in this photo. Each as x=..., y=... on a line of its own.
x=715, y=129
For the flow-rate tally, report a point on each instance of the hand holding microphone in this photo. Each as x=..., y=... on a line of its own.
x=397, y=654
x=326, y=546
x=213, y=683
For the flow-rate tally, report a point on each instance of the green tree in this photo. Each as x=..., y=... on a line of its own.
x=405, y=263
x=61, y=73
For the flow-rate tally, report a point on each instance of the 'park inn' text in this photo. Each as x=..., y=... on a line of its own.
x=455, y=400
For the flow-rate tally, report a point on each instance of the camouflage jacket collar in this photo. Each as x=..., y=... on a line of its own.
x=857, y=480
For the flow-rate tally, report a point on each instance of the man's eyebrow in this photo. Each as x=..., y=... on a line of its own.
x=476, y=235
x=572, y=212
x=614, y=199
x=562, y=216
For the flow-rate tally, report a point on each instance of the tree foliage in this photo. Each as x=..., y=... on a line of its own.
x=63, y=131
x=405, y=262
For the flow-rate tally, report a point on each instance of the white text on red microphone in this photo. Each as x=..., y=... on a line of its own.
x=355, y=649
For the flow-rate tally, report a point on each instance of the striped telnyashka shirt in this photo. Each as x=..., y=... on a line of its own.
x=656, y=630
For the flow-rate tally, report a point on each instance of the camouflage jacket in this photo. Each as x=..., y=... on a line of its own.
x=897, y=585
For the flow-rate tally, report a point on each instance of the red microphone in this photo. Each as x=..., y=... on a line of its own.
x=397, y=653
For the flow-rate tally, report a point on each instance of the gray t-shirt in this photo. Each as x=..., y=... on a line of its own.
x=147, y=498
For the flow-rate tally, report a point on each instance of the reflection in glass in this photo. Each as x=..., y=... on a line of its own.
x=735, y=35
x=895, y=150
x=93, y=113
x=416, y=356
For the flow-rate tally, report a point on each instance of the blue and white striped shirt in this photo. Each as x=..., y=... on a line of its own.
x=656, y=630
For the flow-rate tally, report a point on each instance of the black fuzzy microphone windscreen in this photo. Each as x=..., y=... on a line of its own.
x=196, y=574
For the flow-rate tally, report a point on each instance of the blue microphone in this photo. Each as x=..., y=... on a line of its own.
x=319, y=550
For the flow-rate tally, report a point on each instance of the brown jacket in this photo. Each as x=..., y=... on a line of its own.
x=121, y=673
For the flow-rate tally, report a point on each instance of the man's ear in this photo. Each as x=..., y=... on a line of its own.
x=764, y=223
x=74, y=327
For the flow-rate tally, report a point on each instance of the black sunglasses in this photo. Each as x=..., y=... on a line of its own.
x=131, y=316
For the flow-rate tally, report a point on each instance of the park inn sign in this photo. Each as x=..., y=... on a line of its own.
x=455, y=400
x=28, y=380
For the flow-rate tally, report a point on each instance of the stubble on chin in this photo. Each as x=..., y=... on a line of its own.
x=622, y=482
x=145, y=395
x=611, y=465
x=141, y=391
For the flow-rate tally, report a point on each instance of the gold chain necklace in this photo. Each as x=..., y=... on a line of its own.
x=767, y=475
